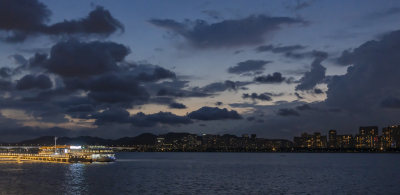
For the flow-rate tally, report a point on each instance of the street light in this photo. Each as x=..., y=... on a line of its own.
x=55, y=145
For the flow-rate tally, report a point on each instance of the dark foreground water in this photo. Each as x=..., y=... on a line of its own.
x=210, y=173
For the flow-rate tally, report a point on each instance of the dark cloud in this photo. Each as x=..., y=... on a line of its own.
x=374, y=72
x=306, y=54
x=176, y=105
x=276, y=77
x=34, y=82
x=292, y=51
x=274, y=94
x=228, y=33
x=280, y=49
x=118, y=115
x=315, y=75
x=391, y=102
x=158, y=73
x=218, y=103
x=22, y=18
x=255, y=96
x=298, y=95
x=81, y=59
x=113, y=88
x=174, y=88
x=37, y=61
x=99, y=21
x=142, y=119
x=287, y=112
x=213, y=113
x=113, y=115
x=318, y=91
x=81, y=108
x=222, y=86
x=163, y=100
x=180, y=93
x=5, y=72
x=249, y=66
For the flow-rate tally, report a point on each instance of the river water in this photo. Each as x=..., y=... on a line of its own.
x=210, y=173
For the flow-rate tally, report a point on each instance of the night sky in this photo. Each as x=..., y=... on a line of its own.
x=121, y=68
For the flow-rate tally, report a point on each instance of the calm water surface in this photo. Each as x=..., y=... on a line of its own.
x=210, y=173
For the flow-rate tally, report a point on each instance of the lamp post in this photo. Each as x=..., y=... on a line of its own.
x=55, y=145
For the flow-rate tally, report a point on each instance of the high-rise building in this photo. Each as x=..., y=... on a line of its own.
x=332, y=139
x=367, y=138
x=391, y=137
x=306, y=140
x=345, y=141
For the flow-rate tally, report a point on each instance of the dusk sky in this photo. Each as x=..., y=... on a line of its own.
x=121, y=68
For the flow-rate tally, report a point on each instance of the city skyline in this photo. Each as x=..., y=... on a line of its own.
x=367, y=139
x=275, y=68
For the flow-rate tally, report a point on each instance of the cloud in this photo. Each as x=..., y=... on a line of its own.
x=169, y=118
x=314, y=76
x=318, y=91
x=222, y=86
x=5, y=72
x=157, y=74
x=118, y=115
x=34, y=82
x=81, y=108
x=249, y=66
x=227, y=33
x=287, y=112
x=298, y=95
x=213, y=113
x=113, y=115
x=180, y=93
x=373, y=72
x=177, y=106
x=279, y=49
x=110, y=88
x=276, y=77
x=81, y=59
x=291, y=51
x=99, y=21
x=23, y=18
x=255, y=96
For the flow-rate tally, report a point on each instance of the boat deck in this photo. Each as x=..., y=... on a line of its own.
x=19, y=157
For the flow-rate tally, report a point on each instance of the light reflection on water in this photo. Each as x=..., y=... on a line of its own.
x=75, y=179
x=209, y=173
